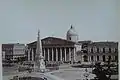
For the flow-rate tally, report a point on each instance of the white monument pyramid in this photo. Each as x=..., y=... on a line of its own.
x=39, y=65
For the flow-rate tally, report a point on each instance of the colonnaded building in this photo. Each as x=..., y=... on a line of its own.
x=73, y=50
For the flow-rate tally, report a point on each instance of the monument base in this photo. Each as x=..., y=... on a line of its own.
x=40, y=66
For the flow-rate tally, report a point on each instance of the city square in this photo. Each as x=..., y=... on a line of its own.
x=59, y=40
x=36, y=67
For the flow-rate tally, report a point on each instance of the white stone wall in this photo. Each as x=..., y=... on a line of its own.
x=73, y=38
x=78, y=47
x=18, y=50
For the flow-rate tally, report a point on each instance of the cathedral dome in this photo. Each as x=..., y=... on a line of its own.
x=72, y=31
x=72, y=34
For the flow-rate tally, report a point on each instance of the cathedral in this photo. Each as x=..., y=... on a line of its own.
x=72, y=50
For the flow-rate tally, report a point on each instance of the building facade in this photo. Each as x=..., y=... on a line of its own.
x=99, y=51
x=18, y=51
x=73, y=50
x=13, y=51
x=7, y=51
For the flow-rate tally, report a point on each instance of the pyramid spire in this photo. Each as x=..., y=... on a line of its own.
x=71, y=26
x=39, y=46
x=39, y=59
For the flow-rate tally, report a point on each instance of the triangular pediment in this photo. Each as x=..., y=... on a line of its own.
x=54, y=41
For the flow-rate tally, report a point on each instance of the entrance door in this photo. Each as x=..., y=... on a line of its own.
x=85, y=58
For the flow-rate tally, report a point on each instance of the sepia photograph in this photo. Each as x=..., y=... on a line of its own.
x=59, y=40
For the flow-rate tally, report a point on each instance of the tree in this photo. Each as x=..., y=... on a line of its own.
x=101, y=73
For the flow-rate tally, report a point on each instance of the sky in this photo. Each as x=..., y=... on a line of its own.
x=95, y=20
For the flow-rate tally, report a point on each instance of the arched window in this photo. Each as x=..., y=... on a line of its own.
x=91, y=58
x=97, y=58
x=109, y=57
x=98, y=50
x=91, y=50
x=85, y=58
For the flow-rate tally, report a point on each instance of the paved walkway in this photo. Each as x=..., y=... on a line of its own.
x=65, y=72
x=34, y=74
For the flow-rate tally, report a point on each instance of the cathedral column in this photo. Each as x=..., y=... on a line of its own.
x=56, y=54
x=65, y=54
x=48, y=54
x=28, y=54
x=74, y=57
x=52, y=55
x=69, y=54
x=44, y=53
x=61, y=54
x=32, y=55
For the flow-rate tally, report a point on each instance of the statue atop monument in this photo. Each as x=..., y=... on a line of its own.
x=39, y=65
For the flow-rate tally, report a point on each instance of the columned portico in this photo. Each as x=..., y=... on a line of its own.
x=55, y=49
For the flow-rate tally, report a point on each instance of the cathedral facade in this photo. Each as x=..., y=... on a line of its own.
x=72, y=50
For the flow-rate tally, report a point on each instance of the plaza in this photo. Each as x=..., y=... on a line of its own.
x=65, y=54
x=65, y=72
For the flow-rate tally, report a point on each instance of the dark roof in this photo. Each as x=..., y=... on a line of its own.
x=110, y=44
x=84, y=41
